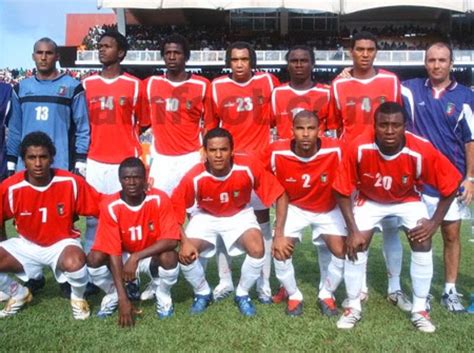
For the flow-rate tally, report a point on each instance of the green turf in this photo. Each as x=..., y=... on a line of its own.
x=47, y=325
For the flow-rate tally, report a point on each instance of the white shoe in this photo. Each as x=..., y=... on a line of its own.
x=401, y=300
x=222, y=291
x=4, y=296
x=149, y=292
x=14, y=304
x=108, y=305
x=349, y=318
x=422, y=321
x=80, y=309
x=364, y=297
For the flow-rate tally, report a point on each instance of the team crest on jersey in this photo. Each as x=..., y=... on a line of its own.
x=236, y=193
x=260, y=100
x=122, y=101
x=60, y=209
x=189, y=104
x=151, y=226
x=450, y=108
x=404, y=179
x=62, y=90
x=324, y=178
x=159, y=101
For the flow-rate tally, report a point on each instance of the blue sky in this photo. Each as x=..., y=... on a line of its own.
x=24, y=21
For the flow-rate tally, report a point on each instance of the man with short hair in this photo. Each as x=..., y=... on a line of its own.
x=221, y=188
x=43, y=202
x=386, y=167
x=306, y=165
x=242, y=105
x=139, y=224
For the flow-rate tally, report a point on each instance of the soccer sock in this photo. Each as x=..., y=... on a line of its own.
x=333, y=278
x=353, y=275
x=194, y=274
x=224, y=262
x=365, y=287
x=251, y=269
x=263, y=282
x=11, y=287
x=78, y=281
x=102, y=278
x=421, y=271
x=285, y=272
x=165, y=280
x=449, y=287
x=91, y=227
x=393, y=254
x=324, y=258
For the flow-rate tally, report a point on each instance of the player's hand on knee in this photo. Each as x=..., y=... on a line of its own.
x=188, y=253
x=282, y=248
x=423, y=231
x=130, y=268
x=126, y=312
x=467, y=192
x=355, y=242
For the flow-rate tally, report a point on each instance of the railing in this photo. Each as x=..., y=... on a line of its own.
x=276, y=57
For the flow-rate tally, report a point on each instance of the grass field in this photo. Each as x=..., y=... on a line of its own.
x=47, y=325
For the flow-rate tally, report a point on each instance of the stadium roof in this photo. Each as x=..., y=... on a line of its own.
x=336, y=6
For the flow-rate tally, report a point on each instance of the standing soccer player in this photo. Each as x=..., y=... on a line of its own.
x=53, y=103
x=306, y=167
x=43, y=203
x=441, y=111
x=242, y=105
x=221, y=188
x=114, y=100
x=387, y=167
x=140, y=224
x=354, y=100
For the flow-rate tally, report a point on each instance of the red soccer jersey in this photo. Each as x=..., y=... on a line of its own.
x=354, y=101
x=225, y=196
x=245, y=109
x=397, y=178
x=125, y=228
x=44, y=215
x=287, y=102
x=307, y=181
x=176, y=111
x=115, y=114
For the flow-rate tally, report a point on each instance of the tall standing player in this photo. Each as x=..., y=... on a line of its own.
x=441, y=111
x=354, y=100
x=221, y=188
x=242, y=105
x=43, y=202
x=387, y=167
x=139, y=224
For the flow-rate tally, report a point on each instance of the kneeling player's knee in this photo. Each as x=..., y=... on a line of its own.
x=96, y=259
x=168, y=259
x=72, y=259
x=256, y=252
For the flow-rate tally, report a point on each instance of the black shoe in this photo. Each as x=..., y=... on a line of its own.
x=91, y=289
x=35, y=284
x=65, y=290
x=133, y=290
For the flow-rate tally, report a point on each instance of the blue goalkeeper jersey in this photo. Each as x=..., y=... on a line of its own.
x=445, y=118
x=5, y=95
x=56, y=107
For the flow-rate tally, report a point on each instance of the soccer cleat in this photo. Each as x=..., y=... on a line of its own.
x=222, y=291
x=349, y=318
x=422, y=321
x=452, y=302
x=294, y=307
x=80, y=309
x=149, y=292
x=164, y=310
x=328, y=307
x=401, y=300
x=470, y=308
x=108, y=305
x=429, y=299
x=200, y=303
x=35, y=284
x=281, y=296
x=133, y=290
x=364, y=297
x=4, y=296
x=264, y=299
x=245, y=305
x=14, y=304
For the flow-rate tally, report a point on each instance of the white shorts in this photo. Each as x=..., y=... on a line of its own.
x=330, y=223
x=369, y=214
x=456, y=211
x=167, y=171
x=103, y=176
x=34, y=257
x=208, y=227
x=256, y=203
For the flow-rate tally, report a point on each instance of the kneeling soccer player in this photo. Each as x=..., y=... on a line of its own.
x=387, y=167
x=306, y=166
x=137, y=231
x=43, y=202
x=221, y=188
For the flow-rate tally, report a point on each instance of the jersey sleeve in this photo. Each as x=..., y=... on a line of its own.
x=107, y=238
x=141, y=111
x=87, y=202
x=14, y=118
x=266, y=185
x=209, y=119
x=346, y=176
x=81, y=122
x=466, y=123
x=169, y=227
x=183, y=198
x=333, y=120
